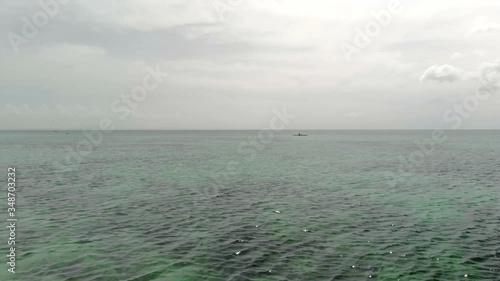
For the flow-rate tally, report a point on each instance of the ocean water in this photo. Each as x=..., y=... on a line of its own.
x=230, y=205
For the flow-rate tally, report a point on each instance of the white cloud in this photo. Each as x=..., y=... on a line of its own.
x=482, y=26
x=51, y=116
x=479, y=53
x=71, y=110
x=356, y=114
x=476, y=53
x=490, y=73
x=443, y=73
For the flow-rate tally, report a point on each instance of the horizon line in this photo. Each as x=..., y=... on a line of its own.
x=287, y=130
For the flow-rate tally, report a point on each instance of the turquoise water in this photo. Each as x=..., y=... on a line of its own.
x=225, y=205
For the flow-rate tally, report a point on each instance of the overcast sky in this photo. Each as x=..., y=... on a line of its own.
x=232, y=62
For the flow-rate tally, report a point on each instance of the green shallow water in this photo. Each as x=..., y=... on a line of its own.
x=182, y=206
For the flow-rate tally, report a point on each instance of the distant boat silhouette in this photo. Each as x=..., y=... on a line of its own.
x=300, y=135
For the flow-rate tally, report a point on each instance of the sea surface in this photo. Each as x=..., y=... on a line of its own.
x=247, y=205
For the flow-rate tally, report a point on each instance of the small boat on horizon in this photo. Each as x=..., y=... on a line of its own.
x=300, y=135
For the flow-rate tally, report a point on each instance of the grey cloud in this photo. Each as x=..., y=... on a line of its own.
x=230, y=72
